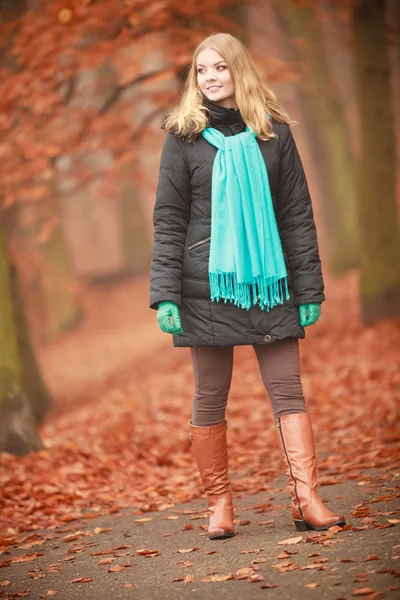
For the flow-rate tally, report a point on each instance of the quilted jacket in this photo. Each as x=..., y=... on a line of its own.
x=182, y=229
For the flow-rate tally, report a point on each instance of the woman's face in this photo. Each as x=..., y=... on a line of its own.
x=214, y=79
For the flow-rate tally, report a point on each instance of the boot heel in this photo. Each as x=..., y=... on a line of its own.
x=302, y=525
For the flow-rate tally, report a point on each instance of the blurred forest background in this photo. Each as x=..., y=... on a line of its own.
x=84, y=85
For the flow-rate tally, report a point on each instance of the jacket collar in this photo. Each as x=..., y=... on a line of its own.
x=222, y=118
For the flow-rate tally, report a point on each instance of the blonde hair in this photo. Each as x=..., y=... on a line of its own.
x=253, y=96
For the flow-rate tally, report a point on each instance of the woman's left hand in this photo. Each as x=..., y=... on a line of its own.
x=309, y=314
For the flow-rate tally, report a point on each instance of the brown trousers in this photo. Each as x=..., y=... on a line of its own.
x=279, y=364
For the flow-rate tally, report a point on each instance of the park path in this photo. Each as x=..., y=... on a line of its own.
x=117, y=475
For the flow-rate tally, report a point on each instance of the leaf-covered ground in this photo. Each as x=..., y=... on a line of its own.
x=128, y=446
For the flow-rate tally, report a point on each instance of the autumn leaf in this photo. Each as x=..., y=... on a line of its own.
x=145, y=551
x=116, y=569
x=144, y=520
x=335, y=528
x=188, y=579
x=294, y=540
x=222, y=577
x=25, y=557
x=255, y=577
x=244, y=573
x=362, y=592
x=257, y=561
x=65, y=15
x=185, y=563
x=184, y=550
x=51, y=592
x=312, y=585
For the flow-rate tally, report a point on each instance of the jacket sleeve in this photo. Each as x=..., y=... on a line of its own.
x=296, y=224
x=171, y=217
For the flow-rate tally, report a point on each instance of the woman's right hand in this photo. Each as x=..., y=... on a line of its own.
x=165, y=311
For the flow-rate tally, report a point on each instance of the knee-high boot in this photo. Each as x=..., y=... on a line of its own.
x=297, y=446
x=211, y=456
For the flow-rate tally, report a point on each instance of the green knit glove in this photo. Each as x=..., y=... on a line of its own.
x=165, y=311
x=314, y=313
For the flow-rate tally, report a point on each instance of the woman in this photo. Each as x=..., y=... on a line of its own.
x=236, y=261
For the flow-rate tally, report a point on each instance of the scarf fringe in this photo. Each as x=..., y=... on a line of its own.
x=271, y=290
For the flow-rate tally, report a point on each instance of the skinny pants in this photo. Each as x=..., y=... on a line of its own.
x=279, y=365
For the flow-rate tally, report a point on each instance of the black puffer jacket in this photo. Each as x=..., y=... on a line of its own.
x=182, y=229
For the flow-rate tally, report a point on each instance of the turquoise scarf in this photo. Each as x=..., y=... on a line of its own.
x=246, y=264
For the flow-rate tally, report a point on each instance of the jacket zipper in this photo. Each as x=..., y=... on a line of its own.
x=199, y=243
x=290, y=468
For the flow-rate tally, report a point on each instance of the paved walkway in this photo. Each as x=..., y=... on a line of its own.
x=166, y=554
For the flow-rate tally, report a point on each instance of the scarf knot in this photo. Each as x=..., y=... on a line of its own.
x=246, y=264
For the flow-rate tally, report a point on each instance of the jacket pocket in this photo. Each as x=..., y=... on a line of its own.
x=200, y=249
x=289, y=272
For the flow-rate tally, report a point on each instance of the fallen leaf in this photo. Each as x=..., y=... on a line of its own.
x=145, y=551
x=185, y=563
x=335, y=528
x=244, y=573
x=255, y=577
x=347, y=560
x=244, y=522
x=25, y=557
x=188, y=579
x=65, y=15
x=222, y=577
x=116, y=569
x=294, y=540
x=144, y=520
x=256, y=561
x=188, y=550
x=312, y=585
x=362, y=592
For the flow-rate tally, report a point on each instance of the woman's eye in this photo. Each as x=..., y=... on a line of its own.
x=222, y=66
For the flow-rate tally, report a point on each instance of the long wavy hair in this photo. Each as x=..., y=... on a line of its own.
x=253, y=96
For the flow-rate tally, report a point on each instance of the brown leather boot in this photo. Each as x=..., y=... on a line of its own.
x=211, y=456
x=297, y=447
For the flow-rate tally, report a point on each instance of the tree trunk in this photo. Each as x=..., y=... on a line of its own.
x=31, y=378
x=380, y=235
x=18, y=434
x=336, y=162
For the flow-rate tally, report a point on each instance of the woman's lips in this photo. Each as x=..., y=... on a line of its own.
x=214, y=88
